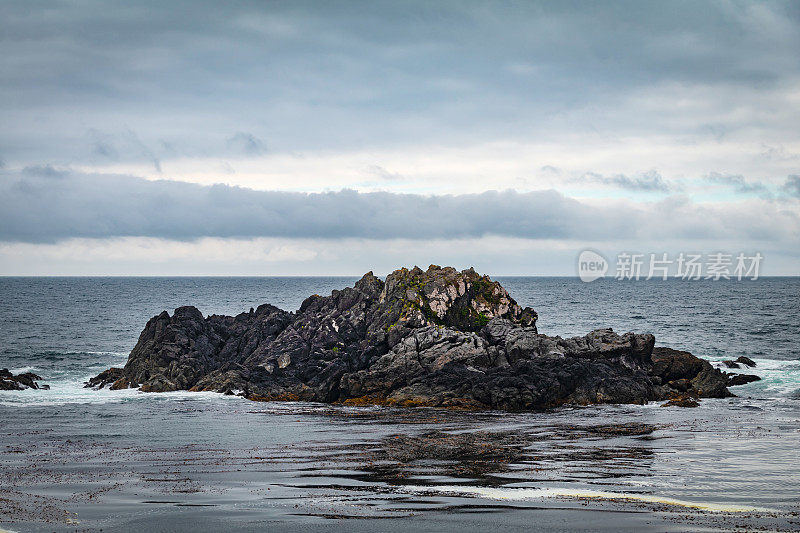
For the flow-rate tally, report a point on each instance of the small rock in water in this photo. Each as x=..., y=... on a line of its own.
x=741, y=379
x=27, y=380
x=746, y=361
x=731, y=364
x=682, y=401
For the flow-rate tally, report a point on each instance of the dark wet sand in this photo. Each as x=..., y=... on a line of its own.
x=197, y=463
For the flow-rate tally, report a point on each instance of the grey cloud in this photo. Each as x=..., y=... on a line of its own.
x=310, y=75
x=550, y=169
x=121, y=146
x=382, y=173
x=38, y=209
x=792, y=186
x=738, y=182
x=45, y=171
x=778, y=153
x=227, y=168
x=650, y=181
x=244, y=143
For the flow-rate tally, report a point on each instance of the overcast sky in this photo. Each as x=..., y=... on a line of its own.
x=262, y=138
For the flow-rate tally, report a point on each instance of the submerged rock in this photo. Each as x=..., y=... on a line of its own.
x=27, y=380
x=682, y=401
x=438, y=337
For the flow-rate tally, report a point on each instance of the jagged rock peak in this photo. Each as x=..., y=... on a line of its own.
x=444, y=296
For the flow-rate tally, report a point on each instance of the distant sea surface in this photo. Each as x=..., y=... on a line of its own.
x=738, y=454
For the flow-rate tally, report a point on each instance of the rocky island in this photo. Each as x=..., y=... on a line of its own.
x=439, y=338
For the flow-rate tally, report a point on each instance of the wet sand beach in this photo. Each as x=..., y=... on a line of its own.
x=207, y=462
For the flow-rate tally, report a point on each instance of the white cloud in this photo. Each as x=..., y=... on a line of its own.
x=138, y=256
x=153, y=256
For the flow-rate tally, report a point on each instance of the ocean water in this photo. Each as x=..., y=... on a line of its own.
x=129, y=460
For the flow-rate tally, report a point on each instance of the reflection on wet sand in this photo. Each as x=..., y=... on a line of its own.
x=300, y=462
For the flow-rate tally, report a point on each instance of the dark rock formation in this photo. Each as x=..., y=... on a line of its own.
x=684, y=372
x=27, y=380
x=741, y=379
x=746, y=361
x=436, y=338
x=731, y=364
x=114, y=377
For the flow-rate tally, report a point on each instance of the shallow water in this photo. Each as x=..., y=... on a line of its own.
x=207, y=461
x=71, y=457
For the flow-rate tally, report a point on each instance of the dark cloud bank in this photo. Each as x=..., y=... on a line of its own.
x=42, y=204
x=738, y=182
x=186, y=76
